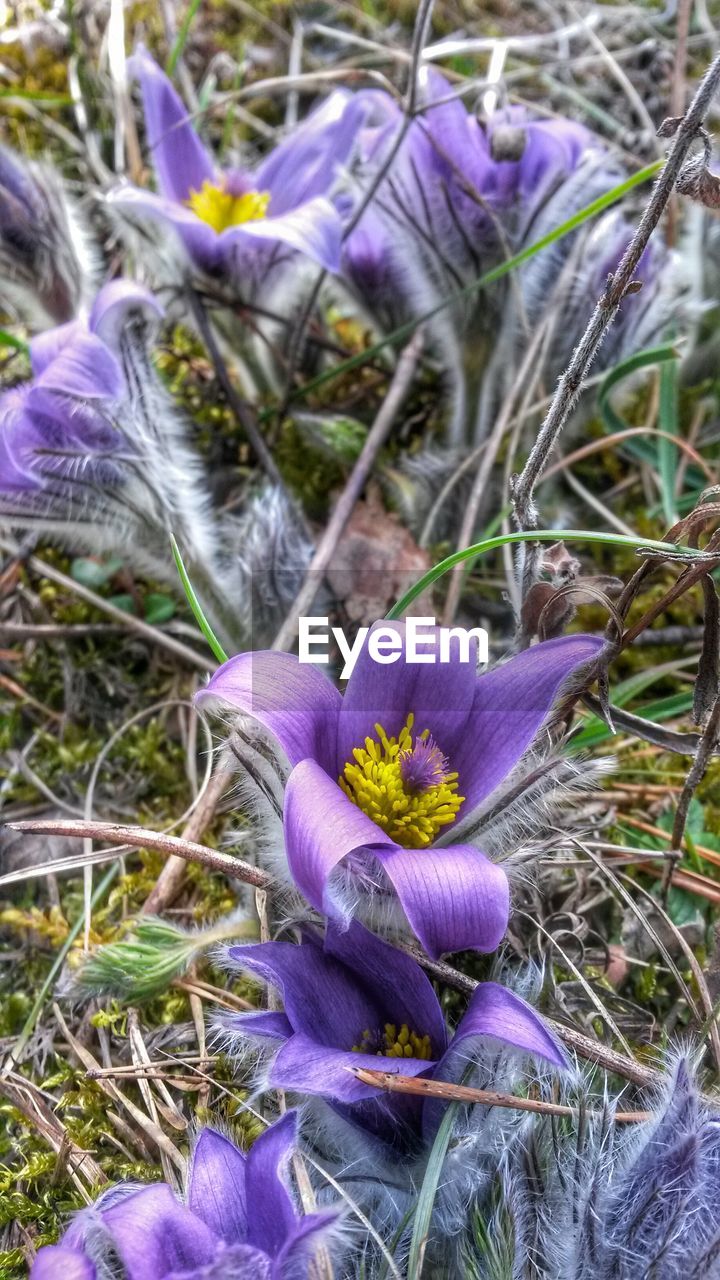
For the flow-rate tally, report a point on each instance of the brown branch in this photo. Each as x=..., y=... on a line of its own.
x=441, y=1089
x=140, y=838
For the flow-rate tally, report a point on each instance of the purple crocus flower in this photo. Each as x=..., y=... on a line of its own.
x=356, y=1001
x=238, y=1222
x=382, y=778
x=235, y=222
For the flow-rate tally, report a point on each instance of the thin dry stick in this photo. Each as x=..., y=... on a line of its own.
x=172, y=876
x=356, y=482
x=392, y=1083
x=140, y=838
x=525, y=512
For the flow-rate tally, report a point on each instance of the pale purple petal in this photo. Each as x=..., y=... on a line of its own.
x=56, y=1262
x=455, y=898
x=46, y=347
x=179, y=158
x=217, y=1187
x=320, y=996
x=271, y=1215
x=439, y=694
x=499, y=1014
x=294, y=701
x=114, y=303
x=199, y=239
x=313, y=229
x=82, y=367
x=155, y=1235
x=321, y=828
x=510, y=706
x=306, y=164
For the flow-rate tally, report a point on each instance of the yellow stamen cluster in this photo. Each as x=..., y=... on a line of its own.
x=375, y=784
x=395, y=1044
x=221, y=209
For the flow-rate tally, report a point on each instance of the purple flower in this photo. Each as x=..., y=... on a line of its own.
x=383, y=777
x=238, y=1222
x=355, y=1002
x=235, y=222
x=58, y=440
x=460, y=197
x=44, y=258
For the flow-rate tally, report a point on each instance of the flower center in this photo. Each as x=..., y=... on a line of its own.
x=404, y=786
x=221, y=209
x=391, y=1043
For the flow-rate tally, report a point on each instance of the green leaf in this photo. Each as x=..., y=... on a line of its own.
x=94, y=573
x=9, y=340
x=124, y=602
x=158, y=608
x=195, y=605
x=641, y=360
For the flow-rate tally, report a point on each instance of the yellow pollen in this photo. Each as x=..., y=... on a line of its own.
x=395, y=1044
x=220, y=209
x=375, y=783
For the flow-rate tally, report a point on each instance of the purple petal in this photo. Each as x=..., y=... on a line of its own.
x=321, y=997
x=46, y=347
x=83, y=367
x=296, y=1256
x=271, y=1213
x=155, y=1235
x=199, y=240
x=399, y=985
x=307, y=163
x=180, y=160
x=510, y=705
x=439, y=694
x=56, y=1262
x=294, y=701
x=264, y=1023
x=499, y=1014
x=313, y=229
x=305, y=1066
x=455, y=898
x=217, y=1187
x=112, y=306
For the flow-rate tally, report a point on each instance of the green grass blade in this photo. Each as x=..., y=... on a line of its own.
x=538, y=535
x=404, y=331
x=177, y=50
x=428, y=1192
x=667, y=452
x=195, y=605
